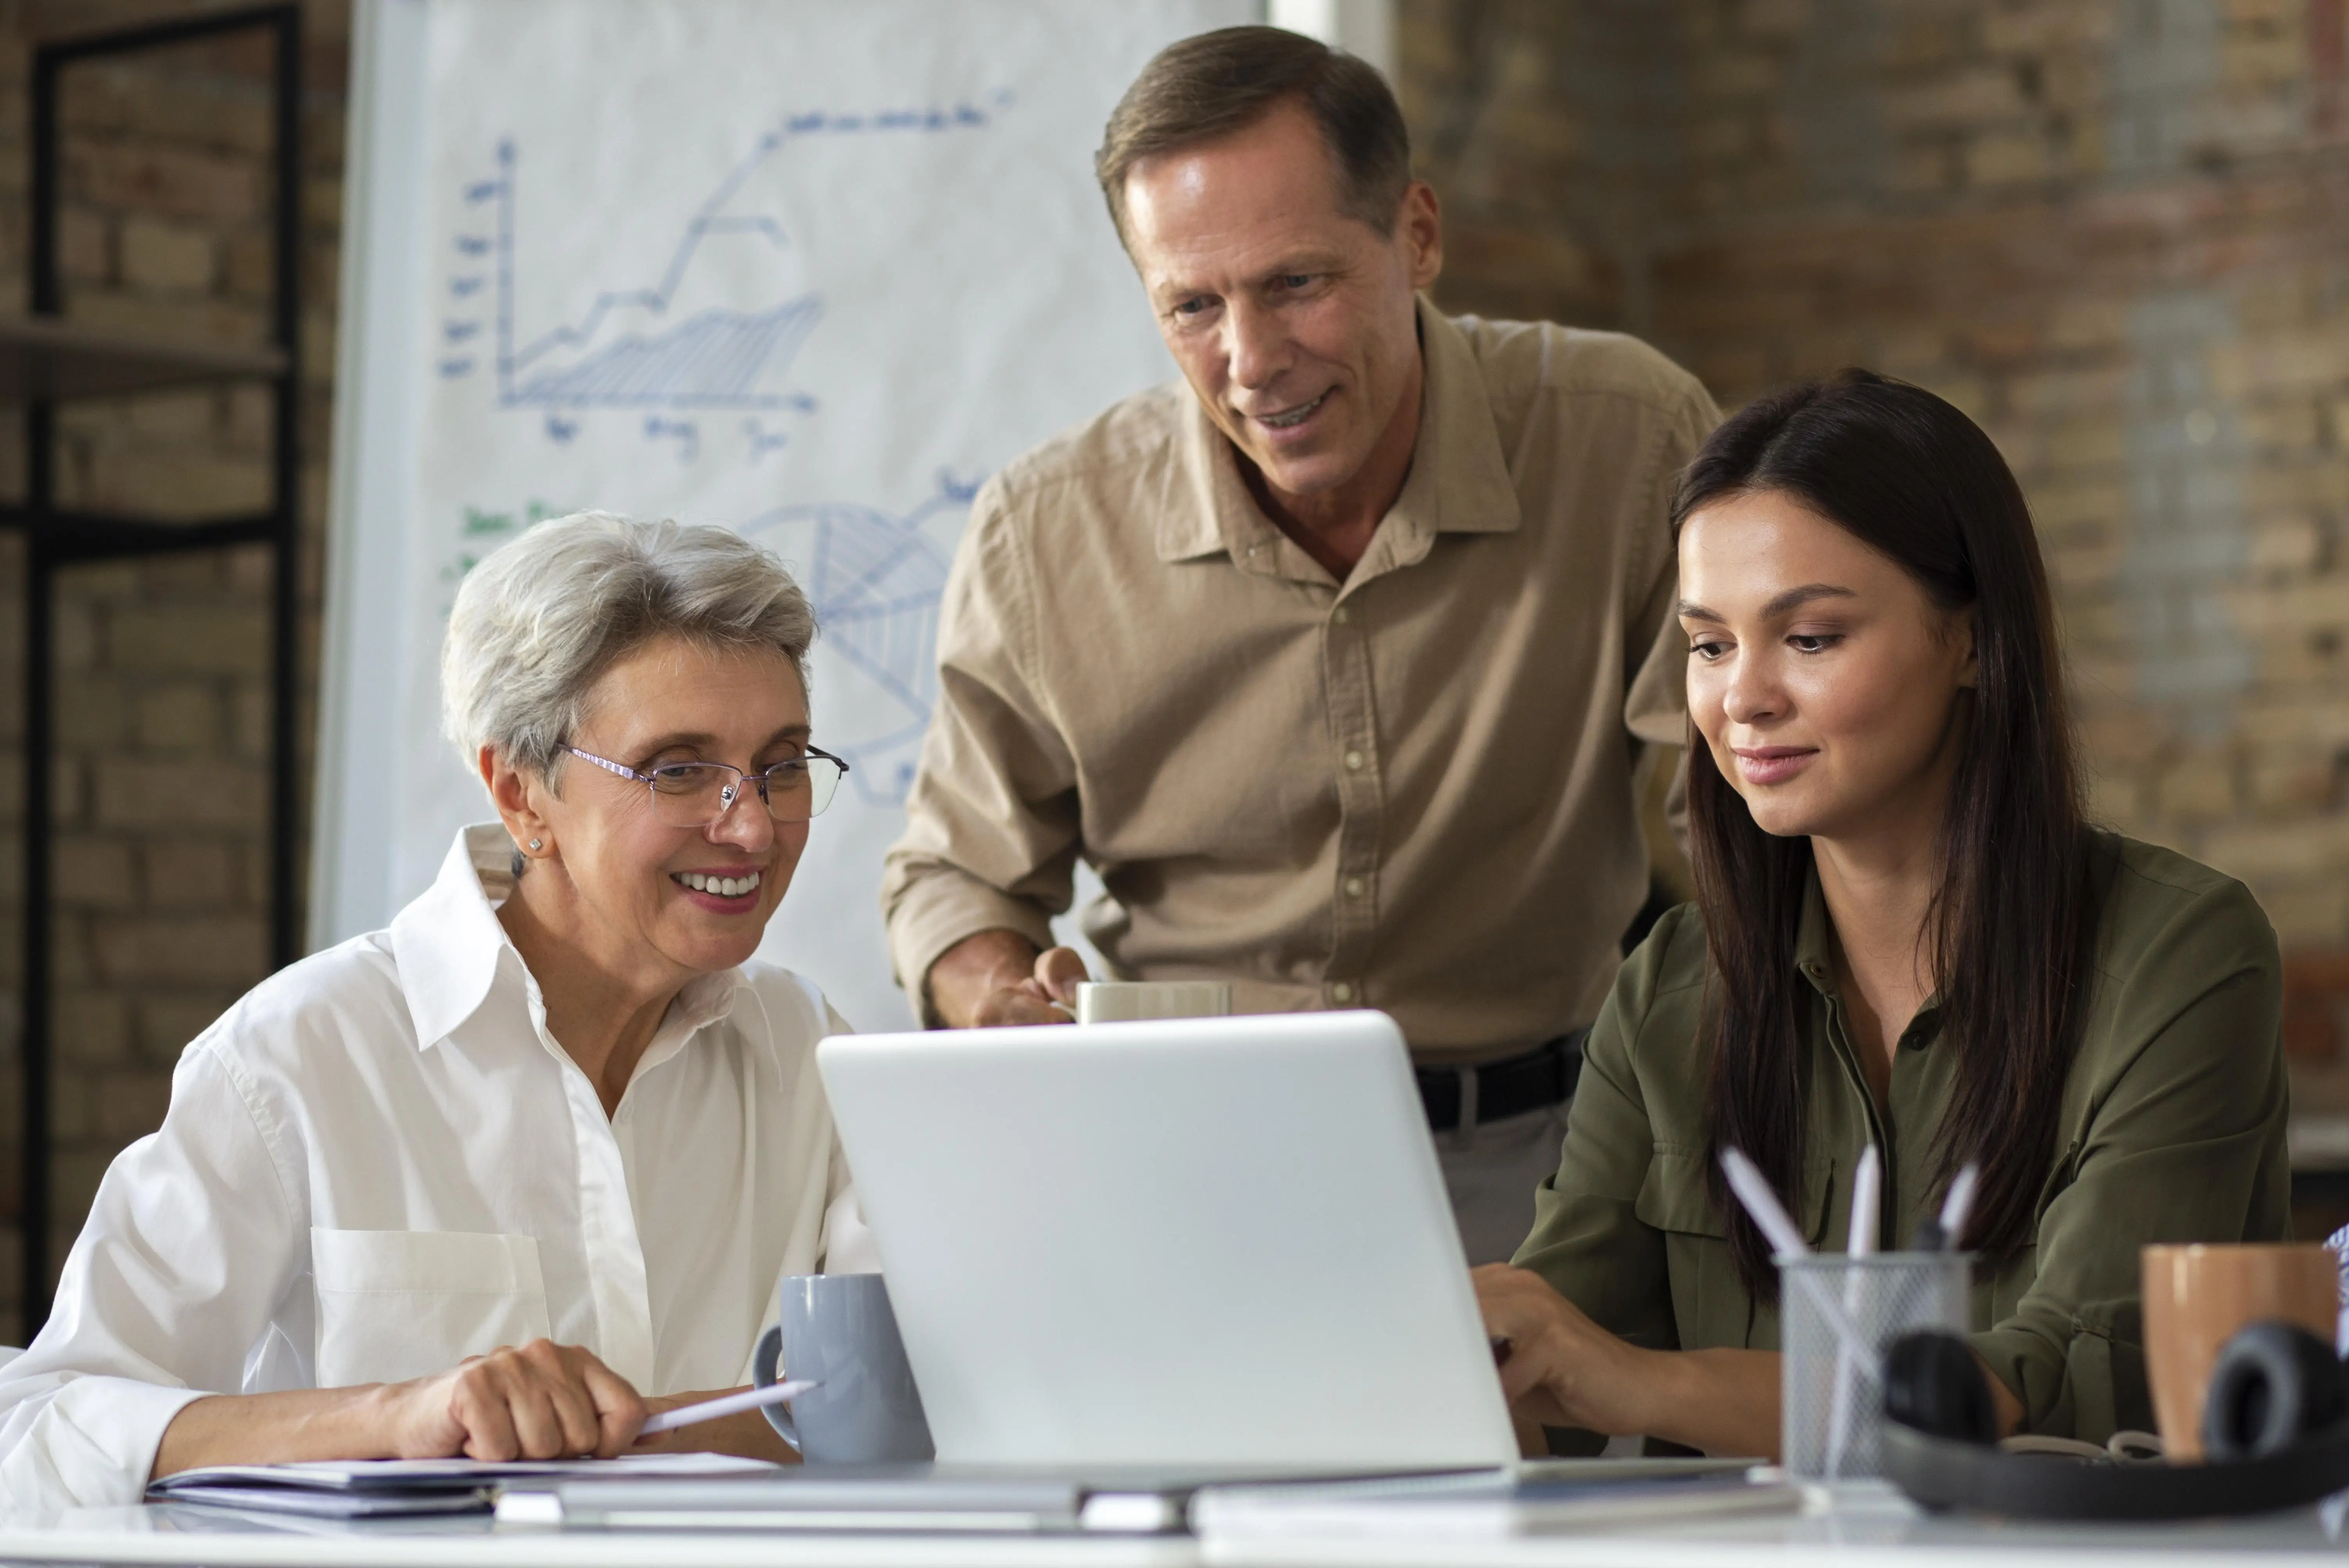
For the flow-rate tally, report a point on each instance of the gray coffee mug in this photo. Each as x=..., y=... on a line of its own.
x=838, y=1330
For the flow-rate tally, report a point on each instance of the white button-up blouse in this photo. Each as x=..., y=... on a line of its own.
x=378, y=1162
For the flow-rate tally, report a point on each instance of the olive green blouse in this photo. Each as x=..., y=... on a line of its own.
x=2172, y=1131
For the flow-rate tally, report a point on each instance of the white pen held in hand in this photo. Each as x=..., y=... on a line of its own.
x=725, y=1405
x=1866, y=1204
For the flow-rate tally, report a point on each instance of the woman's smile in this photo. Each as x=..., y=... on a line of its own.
x=1772, y=764
x=723, y=890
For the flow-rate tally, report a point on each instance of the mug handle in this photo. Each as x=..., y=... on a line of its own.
x=763, y=1373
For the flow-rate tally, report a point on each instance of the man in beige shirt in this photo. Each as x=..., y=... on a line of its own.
x=1337, y=662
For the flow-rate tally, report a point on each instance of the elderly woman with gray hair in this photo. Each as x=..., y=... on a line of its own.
x=506, y=1178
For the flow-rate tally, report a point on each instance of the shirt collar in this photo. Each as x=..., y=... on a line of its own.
x=1459, y=481
x=450, y=946
x=1815, y=960
x=1814, y=952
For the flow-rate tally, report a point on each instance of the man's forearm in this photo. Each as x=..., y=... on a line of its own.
x=974, y=969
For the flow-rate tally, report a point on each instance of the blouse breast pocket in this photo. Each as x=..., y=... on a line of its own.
x=394, y=1304
x=1710, y=1302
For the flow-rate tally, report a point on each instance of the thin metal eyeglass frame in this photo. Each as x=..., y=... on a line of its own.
x=729, y=794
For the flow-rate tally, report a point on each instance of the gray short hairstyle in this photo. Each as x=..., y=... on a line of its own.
x=540, y=619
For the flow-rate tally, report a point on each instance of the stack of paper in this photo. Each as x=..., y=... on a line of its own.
x=382, y=1489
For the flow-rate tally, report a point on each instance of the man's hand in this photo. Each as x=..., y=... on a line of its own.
x=542, y=1401
x=997, y=978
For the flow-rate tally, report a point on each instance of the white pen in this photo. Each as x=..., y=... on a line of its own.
x=1958, y=1204
x=1753, y=1190
x=725, y=1405
x=1866, y=1202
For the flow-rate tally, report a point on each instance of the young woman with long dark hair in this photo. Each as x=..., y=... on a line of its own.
x=1906, y=934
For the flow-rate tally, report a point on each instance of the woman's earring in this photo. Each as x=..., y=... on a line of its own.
x=538, y=843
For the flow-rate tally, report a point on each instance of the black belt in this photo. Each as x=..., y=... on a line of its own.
x=1542, y=1077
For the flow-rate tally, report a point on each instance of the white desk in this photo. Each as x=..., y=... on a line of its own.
x=191, y=1536
x=1864, y=1527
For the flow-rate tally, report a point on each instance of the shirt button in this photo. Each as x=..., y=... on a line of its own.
x=1339, y=614
x=1353, y=762
x=1341, y=992
x=1353, y=887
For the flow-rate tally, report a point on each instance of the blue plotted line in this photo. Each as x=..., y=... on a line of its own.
x=716, y=358
x=876, y=582
x=710, y=359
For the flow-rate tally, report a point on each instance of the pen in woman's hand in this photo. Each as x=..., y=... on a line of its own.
x=724, y=1405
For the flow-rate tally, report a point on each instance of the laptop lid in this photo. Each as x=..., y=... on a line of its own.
x=1213, y=1242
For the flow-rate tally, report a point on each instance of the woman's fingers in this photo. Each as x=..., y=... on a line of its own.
x=620, y=1411
x=538, y=1430
x=478, y=1403
x=542, y=1401
x=1538, y=1325
x=562, y=1423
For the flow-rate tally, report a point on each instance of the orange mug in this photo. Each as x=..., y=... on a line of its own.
x=2197, y=1296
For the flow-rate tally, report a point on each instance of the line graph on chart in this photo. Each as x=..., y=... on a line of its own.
x=658, y=348
x=875, y=581
x=697, y=357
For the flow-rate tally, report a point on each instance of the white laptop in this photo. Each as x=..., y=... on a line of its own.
x=1215, y=1242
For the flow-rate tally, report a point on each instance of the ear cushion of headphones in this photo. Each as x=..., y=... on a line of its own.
x=2273, y=1384
x=2276, y=1424
x=1942, y=1474
x=1933, y=1383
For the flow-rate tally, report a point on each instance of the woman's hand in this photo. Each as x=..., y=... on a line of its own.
x=542, y=1401
x=1560, y=1368
x=1563, y=1370
x=746, y=1433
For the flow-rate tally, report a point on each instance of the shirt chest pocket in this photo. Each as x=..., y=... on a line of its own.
x=1711, y=1307
x=394, y=1304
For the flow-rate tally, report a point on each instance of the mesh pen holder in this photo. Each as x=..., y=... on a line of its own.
x=1839, y=1314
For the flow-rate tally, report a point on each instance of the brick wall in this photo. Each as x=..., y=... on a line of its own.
x=2116, y=231
x=162, y=697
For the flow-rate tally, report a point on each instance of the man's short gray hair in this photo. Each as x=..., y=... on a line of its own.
x=540, y=619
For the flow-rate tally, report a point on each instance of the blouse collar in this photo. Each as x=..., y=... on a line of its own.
x=450, y=948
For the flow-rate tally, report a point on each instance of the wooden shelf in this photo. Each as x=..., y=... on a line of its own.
x=47, y=357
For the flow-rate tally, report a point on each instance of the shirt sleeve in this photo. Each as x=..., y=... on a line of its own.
x=1655, y=709
x=1588, y=1241
x=991, y=823
x=192, y=1241
x=2185, y=1142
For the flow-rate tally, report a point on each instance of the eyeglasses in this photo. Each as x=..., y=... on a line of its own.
x=695, y=794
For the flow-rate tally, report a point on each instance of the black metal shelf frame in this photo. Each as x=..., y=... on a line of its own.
x=55, y=537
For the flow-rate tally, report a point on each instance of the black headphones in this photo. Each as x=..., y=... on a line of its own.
x=2275, y=1431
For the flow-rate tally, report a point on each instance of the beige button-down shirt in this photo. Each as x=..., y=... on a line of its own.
x=1412, y=790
